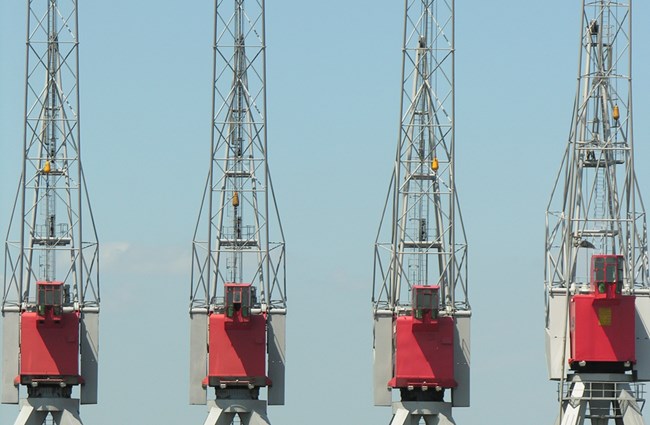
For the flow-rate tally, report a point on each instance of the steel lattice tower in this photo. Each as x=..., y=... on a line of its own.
x=238, y=248
x=596, y=219
x=51, y=281
x=427, y=248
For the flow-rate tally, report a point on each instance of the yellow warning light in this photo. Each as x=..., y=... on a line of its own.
x=235, y=199
x=616, y=114
x=434, y=164
x=47, y=168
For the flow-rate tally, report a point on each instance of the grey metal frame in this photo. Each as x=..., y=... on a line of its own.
x=247, y=412
x=413, y=413
x=427, y=237
x=52, y=235
x=600, y=398
x=422, y=219
x=66, y=242
x=234, y=244
x=36, y=411
x=596, y=204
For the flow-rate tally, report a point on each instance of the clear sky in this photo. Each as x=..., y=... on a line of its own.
x=333, y=98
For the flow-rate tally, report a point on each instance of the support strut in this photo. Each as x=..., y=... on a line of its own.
x=34, y=411
x=433, y=413
x=601, y=398
x=250, y=412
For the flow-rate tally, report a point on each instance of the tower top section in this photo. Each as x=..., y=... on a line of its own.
x=421, y=240
x=596, y=206
x=52, y=234
x=239, y=237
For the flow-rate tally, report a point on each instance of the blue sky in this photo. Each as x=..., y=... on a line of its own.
x=333, y=97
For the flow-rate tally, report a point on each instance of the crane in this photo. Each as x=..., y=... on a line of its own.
x=596, y=263
x=50, y=303
x=237, y=299
x=420, y=299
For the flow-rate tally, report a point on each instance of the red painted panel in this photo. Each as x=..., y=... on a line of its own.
x=49, y=347
x=602, y=329
x=237, y=349
x=424, y=353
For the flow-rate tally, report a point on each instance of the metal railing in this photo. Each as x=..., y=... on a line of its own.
x=609, y=392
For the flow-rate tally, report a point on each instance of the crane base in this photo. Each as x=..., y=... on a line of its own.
x=34, y=411
x=250, y=412
x=433, y=413
x=599, y=398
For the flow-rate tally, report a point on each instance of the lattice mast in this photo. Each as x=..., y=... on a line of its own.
x=238, y=214
x=596, y=266
x=596, y=203
x=422, y=220
x=46, y=240
x=51, y=255
x=428, y=245
x=238, y=241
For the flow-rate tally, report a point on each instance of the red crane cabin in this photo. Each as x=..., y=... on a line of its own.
x=603, y=321
x=49, y=340
x=237, y=342
x=424, y=344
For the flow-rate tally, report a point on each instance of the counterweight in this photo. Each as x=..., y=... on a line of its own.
x=596, y=266
x=420, y=275
x=51, y=287
x=238, y=302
